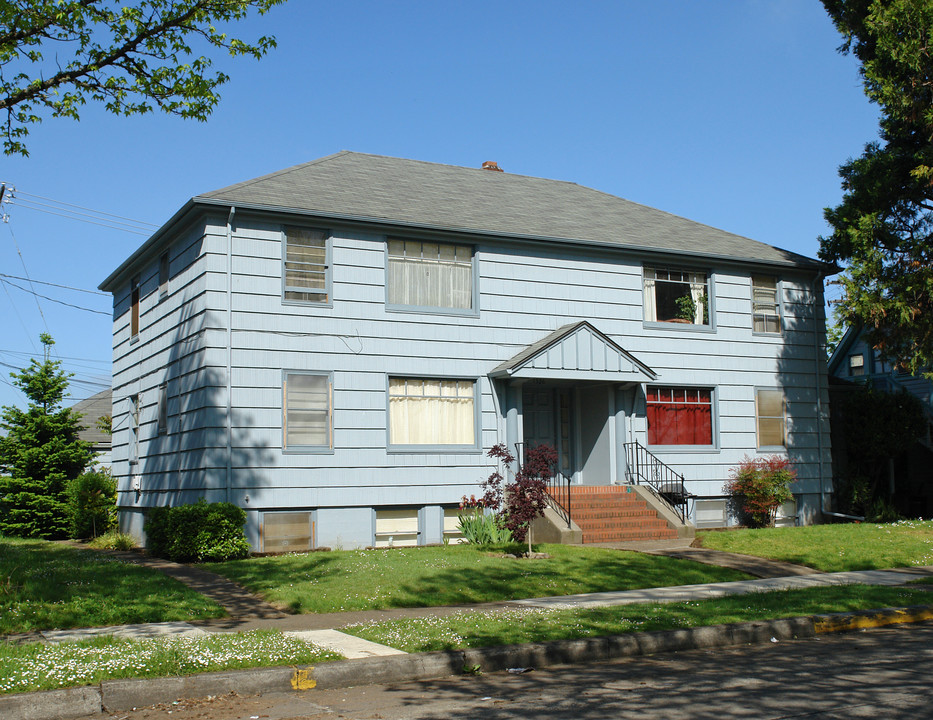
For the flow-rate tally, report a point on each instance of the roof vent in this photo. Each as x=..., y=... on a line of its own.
x=492, y=165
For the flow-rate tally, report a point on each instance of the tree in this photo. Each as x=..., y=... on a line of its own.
x=55, y=55
x=40, y=454
x=526, y=497
x=883, y=229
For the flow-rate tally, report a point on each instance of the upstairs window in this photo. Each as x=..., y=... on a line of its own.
x=680, y=416
x=163, y=276
x=134, y=307
x=430, y=275
x=307, y=416
x=307, y=276
x=857, y=365
x=766, y=305
x=676, y=296
x=427, y=411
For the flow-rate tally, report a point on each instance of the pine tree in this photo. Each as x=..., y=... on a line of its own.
x=40, y=453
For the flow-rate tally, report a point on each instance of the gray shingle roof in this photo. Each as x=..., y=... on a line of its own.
x=93, y=408
x=444, y=197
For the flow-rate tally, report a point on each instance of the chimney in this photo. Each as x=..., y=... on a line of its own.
x=492, y=165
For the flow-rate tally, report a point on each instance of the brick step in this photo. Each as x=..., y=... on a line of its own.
x=643, y=522
x=610, y=513
x=627, y=537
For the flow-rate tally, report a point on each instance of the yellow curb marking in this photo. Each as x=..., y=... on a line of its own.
x=859, y=622
x=304, y=679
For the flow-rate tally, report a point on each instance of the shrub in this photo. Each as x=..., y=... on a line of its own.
x=113, y=540
x=759, y=486
x=479, y=527
x=92, y=502
x=202, y=532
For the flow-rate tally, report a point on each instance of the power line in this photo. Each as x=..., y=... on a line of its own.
x=30, y=201
x=51, y=299
x=66, y=287
x=25, y=270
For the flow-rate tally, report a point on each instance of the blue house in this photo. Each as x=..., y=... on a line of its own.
x=335, y=346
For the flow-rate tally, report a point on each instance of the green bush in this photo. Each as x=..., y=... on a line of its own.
x=482, y=528
x=202, y=532
x=113, y=540
x=92, y=503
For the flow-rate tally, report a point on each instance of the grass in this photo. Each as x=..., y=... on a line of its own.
x=432, y=576
x=34, y=666
x=46, y=585
x=834, y=548
x=468, y=629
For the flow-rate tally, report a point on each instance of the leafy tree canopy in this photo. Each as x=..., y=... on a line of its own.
x=40, y=453
x=55, y=55
x=883, y=229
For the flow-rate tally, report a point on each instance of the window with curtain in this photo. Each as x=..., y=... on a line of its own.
x=772, y=425
x=680, y=416
x=306, y=269
x=676, y=296
x=307, y=415
x=766, y=305
x=426, y=274
x=134, y=307
x=426, y=411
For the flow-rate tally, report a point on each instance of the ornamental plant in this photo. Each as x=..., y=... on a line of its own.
x=480, y=527
x=525, y=498
x=759, y=486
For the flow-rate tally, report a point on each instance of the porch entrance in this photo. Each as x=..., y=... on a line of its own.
x=546, y=415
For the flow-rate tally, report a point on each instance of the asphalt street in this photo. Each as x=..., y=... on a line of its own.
x=880, y=673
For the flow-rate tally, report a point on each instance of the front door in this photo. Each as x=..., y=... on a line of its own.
x=546, y=417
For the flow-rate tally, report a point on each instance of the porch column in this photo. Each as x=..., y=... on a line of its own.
x=621, y=435
x=513, y=408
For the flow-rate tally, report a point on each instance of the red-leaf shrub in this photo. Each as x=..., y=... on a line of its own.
x=760, y=486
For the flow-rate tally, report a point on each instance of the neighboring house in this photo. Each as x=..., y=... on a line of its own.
x=335, y=346
x=92, y=410
x=856, y=361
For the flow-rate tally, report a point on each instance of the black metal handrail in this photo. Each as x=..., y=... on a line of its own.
x=558, y=493
x=558, y=488
x=644, y=468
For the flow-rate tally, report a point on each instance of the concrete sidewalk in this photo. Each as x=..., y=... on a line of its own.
x=323, y=629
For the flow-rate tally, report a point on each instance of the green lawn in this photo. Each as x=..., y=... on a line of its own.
x=451, y=575
x=834, y=548
x=472, y=628
x=46, y=585
x=45, y=667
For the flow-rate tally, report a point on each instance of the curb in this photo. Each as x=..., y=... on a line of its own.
x=123, y=695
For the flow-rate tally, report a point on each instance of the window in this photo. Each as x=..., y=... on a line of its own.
x=425, y=274
x=769, y=405
x=857, y=365
x=766, y=307
x=307, y=411
x=163, y=276
x=306, y=270
x=424, y=411
x=163, y=409
x=680, y=416
x=676, y=296
x=134, y=307
x=134, y=429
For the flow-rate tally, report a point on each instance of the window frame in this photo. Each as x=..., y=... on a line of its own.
x=134, y=424
x=759, y=417
x=162, y=410
x=472, y=311
x=288, y=448
x=423, y=448
x=709, y=326
x=861, y=366
x=328, y=269
x=714, y=445
x=134, y=308
x=164, y=274
x=778, y=304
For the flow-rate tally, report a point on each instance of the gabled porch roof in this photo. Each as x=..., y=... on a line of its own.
x=576, y=352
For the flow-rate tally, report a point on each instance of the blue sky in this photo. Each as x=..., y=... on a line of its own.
x=732, y=113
